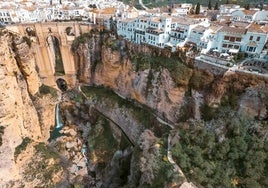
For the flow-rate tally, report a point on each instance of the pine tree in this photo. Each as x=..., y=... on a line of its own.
x=216, y=6
x=197, y=8
x=209, y=5
x=247, y=7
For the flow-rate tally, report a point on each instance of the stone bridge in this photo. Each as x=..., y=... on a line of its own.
x=51, y=44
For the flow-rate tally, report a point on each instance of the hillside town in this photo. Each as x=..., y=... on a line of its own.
x=225, y=35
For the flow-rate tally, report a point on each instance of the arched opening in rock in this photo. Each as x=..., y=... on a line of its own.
x=69, y=31
x=30, y=32
x=54, y=47
x=62, y=84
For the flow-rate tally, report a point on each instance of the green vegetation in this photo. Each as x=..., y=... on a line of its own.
x=230, y=151
x=1, y=134
x=22, y=146
x=59, y=67
x=78, y=97
x=200, y=79
x=28, y=41
x=114, y=44
x=83, y=38
x=142, y=114
x=209, y=5
x=163, y=169
x=197, y=8
x=178, y=71
x=40, y=168
x=44, y=90
x=159, y=3
x=102, y=144
x=216, y=7
x=42, y=149
x=240, y=57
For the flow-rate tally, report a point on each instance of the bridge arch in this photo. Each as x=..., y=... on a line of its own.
x=55, y=54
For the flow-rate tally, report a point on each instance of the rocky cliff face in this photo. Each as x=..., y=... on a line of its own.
x=154, y=78
x=111, y=65
x=141, y=73
x=19, y=118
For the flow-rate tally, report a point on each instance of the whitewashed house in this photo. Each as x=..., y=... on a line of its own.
x=228, y=39
x=157, y=33
x=243, y=15
x=181, y=28
x=5, y=16
x=229, y=8
x=125, y=28
x=209, y=39
x=261, y=17
x=254, y=40
x=195, y=36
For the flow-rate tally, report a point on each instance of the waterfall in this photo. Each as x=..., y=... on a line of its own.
x=59, y=124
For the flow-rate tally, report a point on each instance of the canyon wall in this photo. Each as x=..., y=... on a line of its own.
x=155, y=78
x=100, y=64
x=20, y=114
x=104, y=60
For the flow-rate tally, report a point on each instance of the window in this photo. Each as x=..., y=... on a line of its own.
x=251, y=49
x=236, y=47
x=232, y=39
x=238, y=39
x=258, y=38
x=226, y=38
x=251, y=38
x=224, y=45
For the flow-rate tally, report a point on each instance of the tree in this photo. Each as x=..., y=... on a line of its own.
x=216, y=6
x=209, y=5
x=227, y=2
x=247, y=7
x=197, y=8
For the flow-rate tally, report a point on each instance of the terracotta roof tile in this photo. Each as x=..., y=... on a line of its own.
x=233, y=30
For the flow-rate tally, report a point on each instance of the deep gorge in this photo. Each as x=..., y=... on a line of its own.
x=122, y=91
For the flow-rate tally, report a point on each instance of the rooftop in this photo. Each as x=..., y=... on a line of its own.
x=233, y=30
x=249, y=12
x=257, y=28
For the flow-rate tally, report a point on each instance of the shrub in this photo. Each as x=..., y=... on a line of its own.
x=44, y=90
x=22, y=146
x=1, y=133
x=28, y=41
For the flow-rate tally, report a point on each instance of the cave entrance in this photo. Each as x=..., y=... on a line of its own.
x=54, y=47
x=62, y=84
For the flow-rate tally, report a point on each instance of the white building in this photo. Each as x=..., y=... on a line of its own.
x=261, y=17
x=250, y=40
x=228, y=39
x=254, y=40
x=195, y=36
x=229, y=8
x=125, y=28
x=243, y=15
x=5, y=16
x=181, y=28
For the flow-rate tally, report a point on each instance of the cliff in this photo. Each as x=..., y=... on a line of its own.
x=137, y=90
x=157, y=78
x=19, y=115
x=131, y=76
